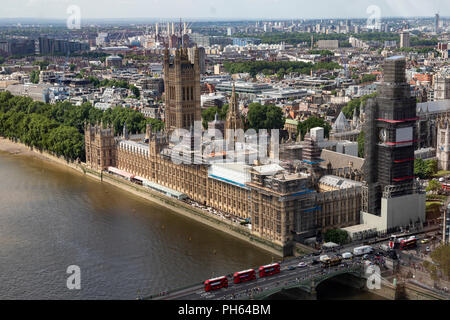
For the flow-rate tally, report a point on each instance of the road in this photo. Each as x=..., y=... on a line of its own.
x=246, y=289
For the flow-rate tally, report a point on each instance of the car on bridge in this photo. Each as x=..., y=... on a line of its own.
x=347, y=255
x=302, y=265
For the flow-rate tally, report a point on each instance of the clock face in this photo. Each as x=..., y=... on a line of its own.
x=383, y=135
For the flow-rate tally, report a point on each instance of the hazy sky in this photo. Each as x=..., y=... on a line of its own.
x=221, y=9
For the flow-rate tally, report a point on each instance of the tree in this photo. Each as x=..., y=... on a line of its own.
x=313, y=122
x=369, y=78
x=441, y=257
x=34, y=76
x=265, y=117
x=135, y=91
x=355, y=105
x=419, y=168
x=431, y=167
x=434, y=186
x=209, y=114
x=440, y=261
x=337, y=236
x=425, y=169
x=277, y=67
x=59, y=128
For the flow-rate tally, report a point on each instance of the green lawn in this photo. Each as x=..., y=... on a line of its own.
x=433, y=203
x=436, y=196
x=441, y=173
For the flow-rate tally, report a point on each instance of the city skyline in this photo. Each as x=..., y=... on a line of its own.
x=223, y=10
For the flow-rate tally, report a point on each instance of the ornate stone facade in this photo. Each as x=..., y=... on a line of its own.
x=281, y=206
x=182, y=90
x=100, y=146
x=233, y=121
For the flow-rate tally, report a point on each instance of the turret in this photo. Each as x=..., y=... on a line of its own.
x=125, y=131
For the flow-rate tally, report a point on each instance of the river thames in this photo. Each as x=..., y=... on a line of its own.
x=51, y=217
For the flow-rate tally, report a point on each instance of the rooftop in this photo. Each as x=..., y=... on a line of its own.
x=268, y=169
x=338, y=182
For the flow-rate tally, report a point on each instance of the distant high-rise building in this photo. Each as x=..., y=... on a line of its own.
x=436, y=23
x=173, y=41
x=201, y=57
x=404, y=40
x=49, y=46
x=17, y=47
x=328, y=44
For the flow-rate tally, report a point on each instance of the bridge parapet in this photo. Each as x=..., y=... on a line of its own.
x=308, y=285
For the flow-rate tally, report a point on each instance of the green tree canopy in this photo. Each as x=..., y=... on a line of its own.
x=441, y=261
x=59, y=128
x=135, y=91
x=277, y=67
x=34, y=76
x=209, y=114
x=355, y=105
x=337, y=236
x=313, y=122
x=265, y=117
x=434, y=186
x=425, y=169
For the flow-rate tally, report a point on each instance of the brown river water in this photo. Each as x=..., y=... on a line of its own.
x=52, y=217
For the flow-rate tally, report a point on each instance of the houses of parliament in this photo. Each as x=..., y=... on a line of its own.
x=285, y=201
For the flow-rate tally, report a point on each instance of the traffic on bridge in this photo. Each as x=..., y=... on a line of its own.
x=304, y=272
x=297, y=272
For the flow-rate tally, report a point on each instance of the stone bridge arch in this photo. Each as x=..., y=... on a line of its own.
x=310, y=285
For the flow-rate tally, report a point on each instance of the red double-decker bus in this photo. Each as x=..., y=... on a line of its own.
x=216, y=283
x=269, y=270
x=243, y=276
x=408, y=244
